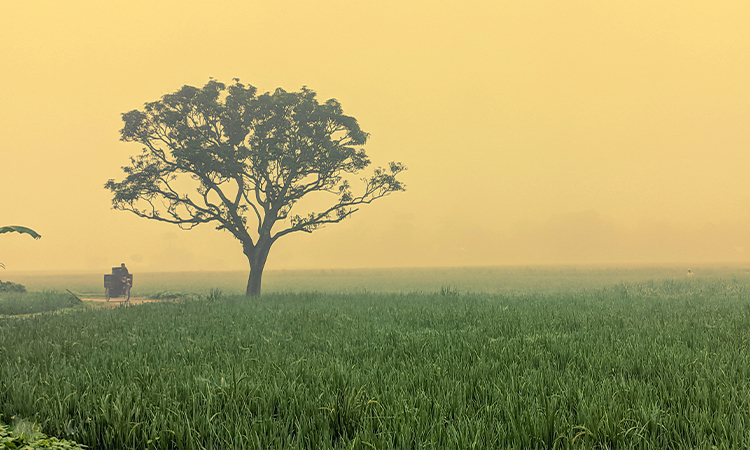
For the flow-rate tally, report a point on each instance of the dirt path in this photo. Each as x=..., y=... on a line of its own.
x=114, y=302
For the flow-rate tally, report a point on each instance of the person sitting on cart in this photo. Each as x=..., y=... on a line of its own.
x=125, y=275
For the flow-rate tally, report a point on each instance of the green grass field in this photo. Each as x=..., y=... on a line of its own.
x=36, y=302
x=554, y=358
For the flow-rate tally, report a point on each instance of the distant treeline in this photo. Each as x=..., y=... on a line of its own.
x=7, y=286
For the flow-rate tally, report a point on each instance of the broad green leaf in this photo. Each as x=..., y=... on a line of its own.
x=20, y=229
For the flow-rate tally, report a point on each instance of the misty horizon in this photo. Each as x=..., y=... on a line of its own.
x=576, y=134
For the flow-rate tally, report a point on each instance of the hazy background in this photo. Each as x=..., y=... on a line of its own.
x=535, y=132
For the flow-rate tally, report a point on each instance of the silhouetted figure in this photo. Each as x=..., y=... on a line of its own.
x=125, y=279
x=118, y=283
x=690, y=274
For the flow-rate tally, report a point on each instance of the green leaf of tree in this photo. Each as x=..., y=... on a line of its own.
x=20, y=229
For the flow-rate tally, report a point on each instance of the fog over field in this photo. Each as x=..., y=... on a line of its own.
x=508, y=280
x=533, y=133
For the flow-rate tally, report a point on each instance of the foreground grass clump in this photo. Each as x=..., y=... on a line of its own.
x=165, y=295
x=36, y=302
x=26, y=436
x=649, y=365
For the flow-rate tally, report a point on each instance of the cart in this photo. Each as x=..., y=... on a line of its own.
x=118, y=284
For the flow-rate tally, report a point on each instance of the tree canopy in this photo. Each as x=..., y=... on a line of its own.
x=242, y=161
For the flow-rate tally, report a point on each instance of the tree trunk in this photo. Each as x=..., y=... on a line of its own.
x=256, y=256
x=253, y=281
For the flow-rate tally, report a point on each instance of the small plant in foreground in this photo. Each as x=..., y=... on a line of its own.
x=214, y=295
x=26, y=435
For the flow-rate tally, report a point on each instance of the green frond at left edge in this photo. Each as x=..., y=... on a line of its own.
x=20, y=229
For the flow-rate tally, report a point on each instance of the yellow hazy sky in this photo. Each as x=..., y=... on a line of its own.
x=535, y=132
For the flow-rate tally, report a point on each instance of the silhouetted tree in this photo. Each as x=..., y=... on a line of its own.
x=222, y=154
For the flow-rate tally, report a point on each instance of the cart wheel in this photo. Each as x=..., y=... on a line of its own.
x=106, y=293
x=127, y=294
